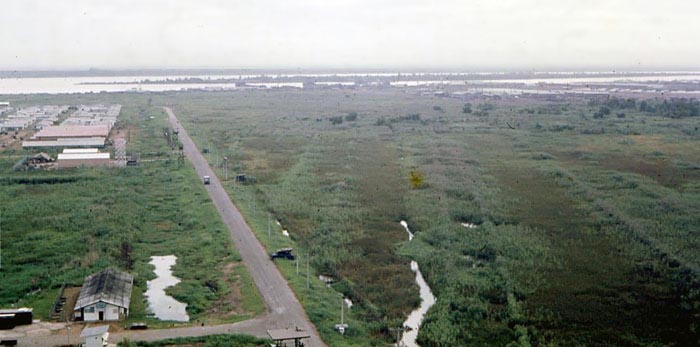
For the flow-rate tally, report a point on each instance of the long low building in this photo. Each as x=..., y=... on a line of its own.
x=69, y=131
x=67, y=160
x=67, y=142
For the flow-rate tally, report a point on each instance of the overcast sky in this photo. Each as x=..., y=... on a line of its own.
x=466, y=34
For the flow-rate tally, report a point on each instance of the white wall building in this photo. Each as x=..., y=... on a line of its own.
x=105, y=296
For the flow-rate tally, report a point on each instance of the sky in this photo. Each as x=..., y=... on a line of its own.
x=298, y=34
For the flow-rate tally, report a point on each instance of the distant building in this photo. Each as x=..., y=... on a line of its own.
x=62, y=143
x=15, y=124
x=82, y=157
x=53, y=133
x=95, y=336
x=105, y=296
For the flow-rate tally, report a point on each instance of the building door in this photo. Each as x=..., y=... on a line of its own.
x=101, y=315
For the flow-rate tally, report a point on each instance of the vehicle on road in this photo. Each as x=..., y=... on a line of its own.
x=206, y=179
x=138, y=326
x=284, y=253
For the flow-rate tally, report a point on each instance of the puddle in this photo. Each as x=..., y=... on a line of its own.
x=469, y=225
x=285, y=233
x=348, y=302
x=427, y=300
x=163, y=306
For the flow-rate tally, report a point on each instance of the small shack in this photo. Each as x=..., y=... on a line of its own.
x=41, y=158
x=105, y=296
x=10, y=318
x=95, y=336
x=281, y=336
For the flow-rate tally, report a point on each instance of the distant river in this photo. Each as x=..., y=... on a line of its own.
x=59, y=85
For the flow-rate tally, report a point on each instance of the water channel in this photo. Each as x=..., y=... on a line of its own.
x=163, y=306
x=415, y=319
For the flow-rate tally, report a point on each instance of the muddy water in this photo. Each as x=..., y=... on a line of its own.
x=427, y=300
x=163, y=306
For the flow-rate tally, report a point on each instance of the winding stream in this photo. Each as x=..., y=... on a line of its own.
x=427, y=300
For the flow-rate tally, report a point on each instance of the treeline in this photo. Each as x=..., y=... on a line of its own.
x=672, y=108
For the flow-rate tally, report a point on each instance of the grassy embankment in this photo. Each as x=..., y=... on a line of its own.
x=586, y=230
x=60, y=226
x=203, y=341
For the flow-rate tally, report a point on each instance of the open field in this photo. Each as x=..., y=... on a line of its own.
x=204, y=341
x=587, y=226
x=59, y=226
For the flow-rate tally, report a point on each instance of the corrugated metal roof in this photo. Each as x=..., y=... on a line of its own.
x=73, y=131
x=110, y=286
x=80, y=150
x=86, y=142
x=95, y=331
x=79, y=156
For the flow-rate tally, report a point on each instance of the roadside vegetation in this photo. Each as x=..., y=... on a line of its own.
x=586, y=212
x=202, y=341
x=586, y=226
x=59, y=226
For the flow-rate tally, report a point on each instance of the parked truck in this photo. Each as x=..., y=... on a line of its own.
x=206, y=179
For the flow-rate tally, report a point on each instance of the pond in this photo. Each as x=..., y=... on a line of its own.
x=163, y=306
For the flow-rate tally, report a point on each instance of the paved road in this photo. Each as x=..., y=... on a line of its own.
x=283, y=308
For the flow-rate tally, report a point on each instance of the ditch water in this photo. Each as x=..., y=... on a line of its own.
x=415, y=319
x=163, y=306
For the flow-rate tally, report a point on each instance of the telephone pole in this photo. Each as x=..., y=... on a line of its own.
x=307, y=270
x=225, y=168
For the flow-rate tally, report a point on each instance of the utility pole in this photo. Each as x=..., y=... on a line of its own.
x=268, y=226
x=225, y=168
x=297, y=260
x=307, y=270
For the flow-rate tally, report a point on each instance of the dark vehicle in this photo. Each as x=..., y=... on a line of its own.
x=206, y=179
x=284, y=253
x=138, y=326
x=8, y=343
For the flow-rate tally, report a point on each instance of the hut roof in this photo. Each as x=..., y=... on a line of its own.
x=110, y=286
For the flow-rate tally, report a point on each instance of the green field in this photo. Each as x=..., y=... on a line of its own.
x=587, y=226
x=203, y=341
x=587, y=222
x=59, y=226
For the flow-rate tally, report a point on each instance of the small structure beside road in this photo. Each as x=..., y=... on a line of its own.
x=10, y=318
x=95, y=336
x=280, y=336
x=105, y=296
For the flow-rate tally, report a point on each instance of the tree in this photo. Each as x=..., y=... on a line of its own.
x=602, y=112
x=417, y=179
x=467, y=108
